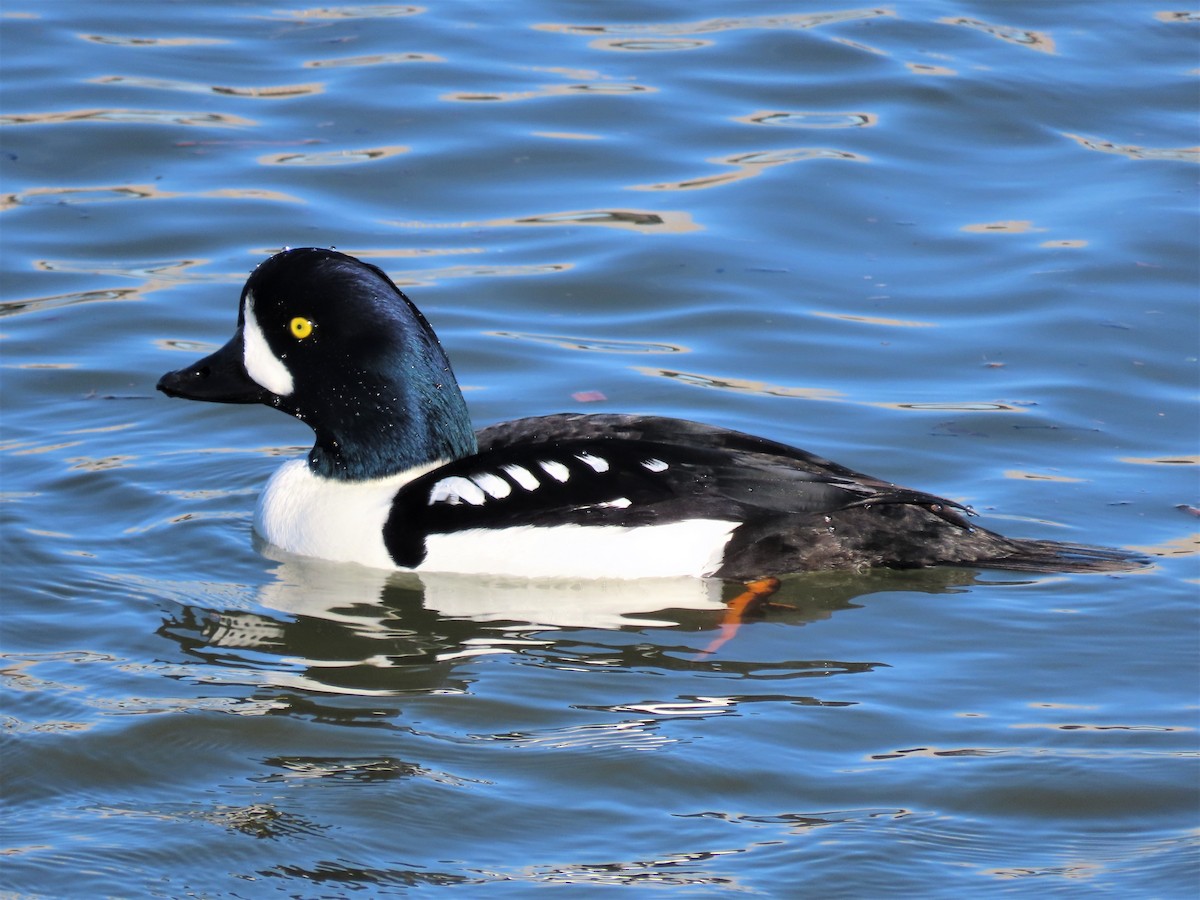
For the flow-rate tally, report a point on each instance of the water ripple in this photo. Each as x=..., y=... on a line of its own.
x=153, y=276
x=1033, y=40
x=706, y=707
x=668, y=870
x=58, y=301
x=635, y=734
x=332, y=157
x=374, y=59
x=873, y=320
x=256, y=820
x=740, y=385
x=749, y=165
x=279, y=92
x=1133, y=151
x=594, y=345
x=646, y=221
x=711, y=26
x=129, y=117
x=120, y=40
x=70, y=196
x=810, y=119
x=413, y=277
x=1036, y=752
x=550, y=90
x=648, y=45
x=360, y=878
x=75, y=195
x=296, y=770
x=379, y=11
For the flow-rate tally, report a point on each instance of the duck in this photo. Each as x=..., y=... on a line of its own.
x=398, y=478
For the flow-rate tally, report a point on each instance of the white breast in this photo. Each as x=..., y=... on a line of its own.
x=309, y=515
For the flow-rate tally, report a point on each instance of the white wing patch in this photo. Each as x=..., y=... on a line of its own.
x=493, y=485
x=654, y=465
x=261, y=363
x=598, y=463
x=455, y=490
x=555, y=470
x=522, y=476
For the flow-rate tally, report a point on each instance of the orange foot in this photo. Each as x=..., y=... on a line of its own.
x=748, y=603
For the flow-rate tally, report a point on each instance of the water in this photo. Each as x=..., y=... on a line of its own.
x=952, y=244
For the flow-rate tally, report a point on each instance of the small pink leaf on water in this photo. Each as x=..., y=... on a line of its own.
x=587, y=396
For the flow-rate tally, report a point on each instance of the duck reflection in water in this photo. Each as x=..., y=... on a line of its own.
x=343, y=629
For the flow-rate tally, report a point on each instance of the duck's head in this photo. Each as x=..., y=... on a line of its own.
x=330, y=340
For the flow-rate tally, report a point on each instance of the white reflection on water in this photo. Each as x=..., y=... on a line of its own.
x=278, y=92
x=129, y=117
x=732, y=23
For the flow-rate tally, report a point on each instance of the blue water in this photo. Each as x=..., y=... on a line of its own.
x=953, y=244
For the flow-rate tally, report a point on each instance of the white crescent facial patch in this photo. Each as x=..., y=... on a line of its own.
x=261, y=363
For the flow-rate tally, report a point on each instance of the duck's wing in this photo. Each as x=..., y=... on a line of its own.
x=659, y=429
x=748, y=470
x=625, y=470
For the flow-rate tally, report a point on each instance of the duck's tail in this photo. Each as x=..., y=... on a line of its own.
x=1028, y=555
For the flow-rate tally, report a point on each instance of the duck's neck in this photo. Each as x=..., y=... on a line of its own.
x=378, y=433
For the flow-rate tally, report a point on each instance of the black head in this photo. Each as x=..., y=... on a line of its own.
x=332, y=341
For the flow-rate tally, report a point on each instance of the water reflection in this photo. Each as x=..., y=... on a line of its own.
x=1172, y=16
x=1011, y=226
x=1034, y=40
x=257, y=820
x=72, y=195
x=1039, y=476
x=122, y=40
x=748, y=165
x=345, y=877
x=740, y=385
x=683, y=870
x=57, y=301
x=293, y=769
x=651, y=45
x=954, y=406
x=68, y=196
x=1181, y=459
x=568, y=135
x=636, y=220
x=280, y=92
x=330, y=629
x=1134, y=151
x=374, y=59
x=425, y=277
x=331, y=157
x=593, y=345
x=377, y=11
x=711, y=26
x=874, y=320
x=641, y=220
x=928, y=69
x=166, y=271
x=129, y=117
x=154, y=276
x=549, y=90
x=810, y=119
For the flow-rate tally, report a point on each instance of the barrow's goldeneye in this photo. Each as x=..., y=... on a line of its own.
x=399, y=479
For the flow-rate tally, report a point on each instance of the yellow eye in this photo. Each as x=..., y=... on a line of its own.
x=301, y=327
